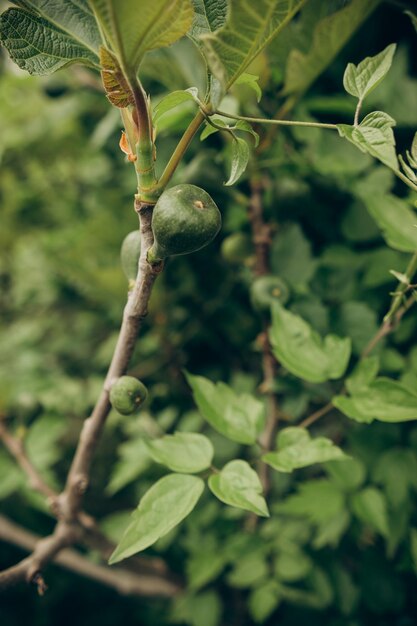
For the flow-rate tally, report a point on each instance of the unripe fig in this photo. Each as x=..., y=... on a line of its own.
x=129, y=255
x=266, y=290
x=185, y=219
x=236, y=248
x=127, y=395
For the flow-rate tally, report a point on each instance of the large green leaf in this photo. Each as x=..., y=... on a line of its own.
x=249, y=27
x=164, y=506
x=39, y=46
x=396, y=220
x=383, y=399
x=133, y=29
x=182, y=452
x=209, y=15
x=360, y=80
x=375, y=136
x=239, y=485
x=296, y=449
x=74, y=17
x=238, y=417
x=303, y=352
x=329, y=36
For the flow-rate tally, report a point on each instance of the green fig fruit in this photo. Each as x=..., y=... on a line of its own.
x=129, y=255
x=127, y=395
x=236, y=248
x=266, y=290
x=185, y=219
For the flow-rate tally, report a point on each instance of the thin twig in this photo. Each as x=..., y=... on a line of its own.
x=275, y=122
x=16, y=448
x=123, y=581
x=261, y=235
x=316, y=415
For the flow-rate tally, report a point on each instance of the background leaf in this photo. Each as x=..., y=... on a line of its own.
x=396, y=220
x=303, y=352
x=383, y=399
x=238, y=417
x=182, y=452
x=296, y=449
x=330, y=34
x=238, y=485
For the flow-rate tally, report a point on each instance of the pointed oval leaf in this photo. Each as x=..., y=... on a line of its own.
x=303, y=352
x=162, y=508
x=38, y=46
x=384, y=399
x=297, y=449
x=172, y=100
x=133, y=29
x=237, y=417
x=238, y=485
x=182, y=452
x=374, y=135
x=240, y=158
x=360, y=80
x=396, y=220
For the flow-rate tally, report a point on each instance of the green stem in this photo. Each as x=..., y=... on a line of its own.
x=179, y=151
x=261, y=120
x=402, y=288
x=144, y=165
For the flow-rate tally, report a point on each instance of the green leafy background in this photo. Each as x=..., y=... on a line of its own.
x=339, y=547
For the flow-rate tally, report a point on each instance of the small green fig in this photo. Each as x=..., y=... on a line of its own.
x=127, y=395
x=236, y=248
x=266, y=290
x=185, y=219
x=129, y=255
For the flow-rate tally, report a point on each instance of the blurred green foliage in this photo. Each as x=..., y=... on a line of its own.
x=340, y=547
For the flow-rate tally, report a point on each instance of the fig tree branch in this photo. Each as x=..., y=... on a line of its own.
x=67, y=530
x=122, y=580
x=135, y=310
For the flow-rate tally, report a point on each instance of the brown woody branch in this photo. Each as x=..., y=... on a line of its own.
x=67, y=530
x=122, y=580
x=261, y=236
